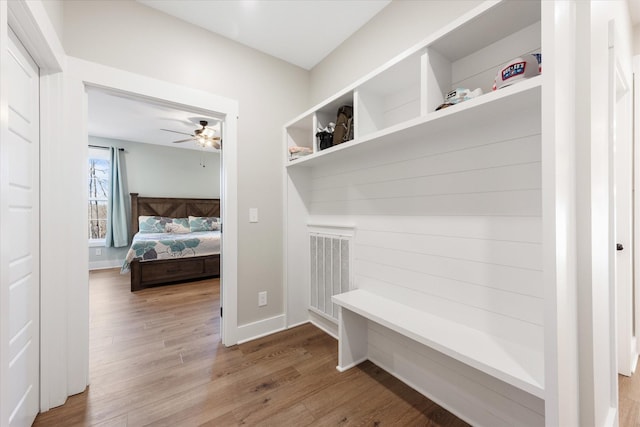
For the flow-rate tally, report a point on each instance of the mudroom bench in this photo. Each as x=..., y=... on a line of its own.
x=513, y=363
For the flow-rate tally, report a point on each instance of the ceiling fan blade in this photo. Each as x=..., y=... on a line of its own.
x=175, y=131
x=183, y=140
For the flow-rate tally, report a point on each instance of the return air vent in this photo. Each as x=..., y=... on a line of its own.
x=330, y=269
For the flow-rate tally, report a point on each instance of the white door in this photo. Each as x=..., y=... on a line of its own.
x=623, y=196
x=19, y=244
x=621, y=144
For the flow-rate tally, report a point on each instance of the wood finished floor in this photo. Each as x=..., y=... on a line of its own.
x=156, y=359
x=629, y=400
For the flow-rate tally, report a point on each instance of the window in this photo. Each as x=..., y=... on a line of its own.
x=98, y=188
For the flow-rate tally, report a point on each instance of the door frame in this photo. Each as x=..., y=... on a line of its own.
x=79, y=76
x=83, y=74
x=635, y=120
x=31, y=24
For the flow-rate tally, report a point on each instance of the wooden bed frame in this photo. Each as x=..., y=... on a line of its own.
x=166, y=271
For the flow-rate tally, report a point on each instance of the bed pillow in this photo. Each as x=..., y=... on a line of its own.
x=177, y=225
x=204, y=223
x=151, y=224
x=162, y=224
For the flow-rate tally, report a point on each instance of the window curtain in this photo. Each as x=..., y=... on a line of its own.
x=117, y=230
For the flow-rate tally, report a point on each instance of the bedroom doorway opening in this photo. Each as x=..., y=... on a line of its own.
x=170, y=174
x=181, y=108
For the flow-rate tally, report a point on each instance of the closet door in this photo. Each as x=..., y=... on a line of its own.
x=20, y=243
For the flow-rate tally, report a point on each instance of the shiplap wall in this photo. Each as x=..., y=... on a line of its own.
x=450, y=224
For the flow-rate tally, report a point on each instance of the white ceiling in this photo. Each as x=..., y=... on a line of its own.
x=117, y=117
x=299, y=32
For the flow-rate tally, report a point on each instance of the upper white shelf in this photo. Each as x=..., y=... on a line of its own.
x=476, y=112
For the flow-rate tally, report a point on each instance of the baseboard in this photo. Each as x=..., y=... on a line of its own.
x=103, y=265
x=612, y=418
x=295, y=325
x=326, y=325
x=261, y=328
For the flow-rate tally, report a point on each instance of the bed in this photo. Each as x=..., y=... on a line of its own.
x=173, y=257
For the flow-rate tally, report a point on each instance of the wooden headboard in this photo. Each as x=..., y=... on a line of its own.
x=171, y=207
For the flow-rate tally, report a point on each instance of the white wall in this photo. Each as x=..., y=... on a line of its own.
x=269, y=92
x=396, y=28
x=55, y=11
x=159, y=171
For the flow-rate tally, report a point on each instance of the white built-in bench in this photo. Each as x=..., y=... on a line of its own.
x=510, y=362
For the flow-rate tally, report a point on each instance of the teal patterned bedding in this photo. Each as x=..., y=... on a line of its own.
x=152, y=246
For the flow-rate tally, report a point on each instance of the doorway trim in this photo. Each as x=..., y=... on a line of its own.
x=85, y=74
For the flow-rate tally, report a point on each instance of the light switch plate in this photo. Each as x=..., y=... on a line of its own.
x=253, y=214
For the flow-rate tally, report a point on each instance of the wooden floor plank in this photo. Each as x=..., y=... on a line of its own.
x=156, y=359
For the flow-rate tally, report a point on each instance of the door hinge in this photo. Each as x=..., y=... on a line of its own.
x=220, y=311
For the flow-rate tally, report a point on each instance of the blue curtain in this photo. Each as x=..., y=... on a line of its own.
x=117, y=230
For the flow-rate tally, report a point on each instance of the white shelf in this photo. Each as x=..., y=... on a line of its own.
x=510, y=362
x=476, y=112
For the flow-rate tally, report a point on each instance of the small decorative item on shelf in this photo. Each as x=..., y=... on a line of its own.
x=296, y=152
x=344, y=125
x=459, y=95
x=325, y=135
x=524, y=67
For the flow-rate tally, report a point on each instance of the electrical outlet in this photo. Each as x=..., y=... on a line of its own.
x=98, y=251
x=262, y=298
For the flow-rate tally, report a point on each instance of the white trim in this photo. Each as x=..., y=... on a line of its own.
x=97, y=243
x=298, y=324
x=320, y=322
x=104, y=265
x=334, y=230
x=4, y=274
x=33, y=27
x=260, y=328
x=560, y=215
x=130, y=84
x=612, y=418
x=636, y=201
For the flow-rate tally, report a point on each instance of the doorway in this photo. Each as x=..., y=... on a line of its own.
x=137, y=87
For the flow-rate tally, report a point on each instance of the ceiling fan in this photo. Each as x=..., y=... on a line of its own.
x=204, y=136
